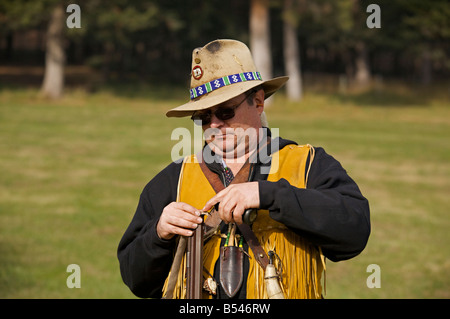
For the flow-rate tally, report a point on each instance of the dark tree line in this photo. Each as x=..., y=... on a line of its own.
x=153, y=39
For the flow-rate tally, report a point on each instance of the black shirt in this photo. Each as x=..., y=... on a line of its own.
x=331, y=213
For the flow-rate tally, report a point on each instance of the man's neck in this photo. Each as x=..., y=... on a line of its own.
x=235, y=164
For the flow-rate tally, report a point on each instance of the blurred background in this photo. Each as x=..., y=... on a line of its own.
x=83, y=95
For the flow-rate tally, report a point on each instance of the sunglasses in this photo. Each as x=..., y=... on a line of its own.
x=222, y=113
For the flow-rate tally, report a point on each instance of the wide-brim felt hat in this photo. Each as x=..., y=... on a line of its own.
x=222, y=70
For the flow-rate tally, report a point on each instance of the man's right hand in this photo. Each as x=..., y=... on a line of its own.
x=178, y=218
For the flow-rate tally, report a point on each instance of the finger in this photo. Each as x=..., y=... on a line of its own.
x=226, y=211
x=186, y=208
x=237, y=214
x=177, y=217
x=180, y=231
x=191, y=216
x=184, y=220
x=167, y=230
x=213, y=201
x=178, y=223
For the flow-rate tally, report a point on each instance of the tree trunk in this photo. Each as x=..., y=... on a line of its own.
x=260, y=37
x=362, y=68
x=426, y=66
x=291, y=54
x=362, y=74
x=53, y=83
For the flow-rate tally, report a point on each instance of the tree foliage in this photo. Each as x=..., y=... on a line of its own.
x=153, y=39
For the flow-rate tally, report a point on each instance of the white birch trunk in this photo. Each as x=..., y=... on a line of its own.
x=53, y=83
x=291, y=55
x=260, y=37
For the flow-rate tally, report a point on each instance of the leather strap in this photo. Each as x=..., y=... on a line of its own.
x=214, y=220
x=258, y=252
x=181, y=248
x=241, y=177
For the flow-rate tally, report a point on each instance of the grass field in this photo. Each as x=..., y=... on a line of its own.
x=72, y=172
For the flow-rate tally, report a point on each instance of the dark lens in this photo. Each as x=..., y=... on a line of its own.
x=205, y=118
x=225, y=113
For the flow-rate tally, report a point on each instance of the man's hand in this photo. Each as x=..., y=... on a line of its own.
x=235, y=200
x=178, y=218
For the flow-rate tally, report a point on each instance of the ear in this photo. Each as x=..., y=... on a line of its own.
x=259, y=100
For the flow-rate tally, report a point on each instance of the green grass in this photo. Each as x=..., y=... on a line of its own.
x=72, y=172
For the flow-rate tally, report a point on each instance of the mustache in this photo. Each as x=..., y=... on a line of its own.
x=211, y=133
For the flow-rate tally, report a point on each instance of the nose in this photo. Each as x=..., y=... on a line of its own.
x=216, y=122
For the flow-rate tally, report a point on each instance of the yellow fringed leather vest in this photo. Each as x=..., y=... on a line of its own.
x=302, y=263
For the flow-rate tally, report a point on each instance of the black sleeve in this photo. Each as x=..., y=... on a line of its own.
x=331, y=212
x=144, y=258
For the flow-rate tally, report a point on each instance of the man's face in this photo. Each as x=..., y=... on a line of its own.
x=234, y=137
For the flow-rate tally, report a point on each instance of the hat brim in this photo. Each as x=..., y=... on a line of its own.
x=224, y=94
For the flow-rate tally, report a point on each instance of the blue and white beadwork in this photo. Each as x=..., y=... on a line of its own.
x=224, y=81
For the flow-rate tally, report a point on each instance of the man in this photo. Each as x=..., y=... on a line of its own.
x=308, y=208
